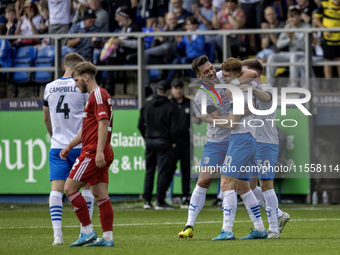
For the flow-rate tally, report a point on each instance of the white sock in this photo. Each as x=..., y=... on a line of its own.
x=108, y=235
x=56, y=211
x=261, y=200
x=197, y=202
x=229, y=206
x=220, y=195
x=272, y=208
x=259, y=196
x=89, y=198
x=253, y=210
x=88, y=229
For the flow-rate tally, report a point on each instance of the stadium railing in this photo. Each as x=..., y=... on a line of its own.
x=141, y=68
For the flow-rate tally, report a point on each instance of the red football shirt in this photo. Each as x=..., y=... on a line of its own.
x=98, y=106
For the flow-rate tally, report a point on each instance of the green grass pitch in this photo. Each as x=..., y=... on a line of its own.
x=26, y=229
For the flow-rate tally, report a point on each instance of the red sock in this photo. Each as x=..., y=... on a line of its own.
x=80, y=208
x=105, y=214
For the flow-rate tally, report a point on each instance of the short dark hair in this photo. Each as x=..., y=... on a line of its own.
x=232, y=1
x=197, y=62
x=294, y=11
x=163, y=86
x=253, y=64
x=192, y=20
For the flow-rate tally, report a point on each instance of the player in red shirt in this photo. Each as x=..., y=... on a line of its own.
x=95, y=158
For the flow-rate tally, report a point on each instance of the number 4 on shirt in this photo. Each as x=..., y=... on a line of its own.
x=65, y=110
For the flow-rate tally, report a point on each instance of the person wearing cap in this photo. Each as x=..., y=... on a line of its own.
x=182, y=149
x=84, y=46
x=102, y=16
x=126, y=44
x=157, y=124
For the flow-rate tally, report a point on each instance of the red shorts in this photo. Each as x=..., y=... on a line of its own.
x=85, y=169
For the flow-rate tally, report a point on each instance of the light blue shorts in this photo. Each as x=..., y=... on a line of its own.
x=266, y=157
x=239, y=162
x=214, y=154
x=59, y=168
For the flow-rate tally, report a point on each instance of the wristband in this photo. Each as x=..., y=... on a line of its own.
x=235, y=82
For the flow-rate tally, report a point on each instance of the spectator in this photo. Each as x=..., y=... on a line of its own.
x=164, y=48
x=102, y=16
x=253, y=10
x=44, y=23
x=328, y=15
x=218, y=4
x=3, y=6
x=126, y=45
x=12, y=22
x=307, y=8
x=19, y=8
x=60, y=16
x=182, y=149
x=204, y=16
x=193, y=45
x=268, y=41
x=29, y=24
x=112, y=6
x=281, y=7
x=84, y=46
x=187, y=4
x=154, y=11
x=296, y=46
x=230, y=17
x=6, y=57
x=181, y=13
x=157, y=124
x=80, y=9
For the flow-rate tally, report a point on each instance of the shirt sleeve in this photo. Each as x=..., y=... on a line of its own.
x=101, y=108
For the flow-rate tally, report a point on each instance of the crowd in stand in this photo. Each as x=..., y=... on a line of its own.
x=32, y=17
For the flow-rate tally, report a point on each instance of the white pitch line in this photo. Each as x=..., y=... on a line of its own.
x=166, y=223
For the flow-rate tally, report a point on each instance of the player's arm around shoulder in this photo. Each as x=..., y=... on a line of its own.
x=220, y=121
x=261, y=95
x=247, y=76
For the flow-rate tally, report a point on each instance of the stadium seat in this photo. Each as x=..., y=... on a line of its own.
x=209, y=49
x=155, y=74
x=45, y=58
x=24, y=57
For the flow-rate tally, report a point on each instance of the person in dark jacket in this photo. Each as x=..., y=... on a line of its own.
x=157, y=124
x=126, y=45
x=84, y=46
x=182, y=149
